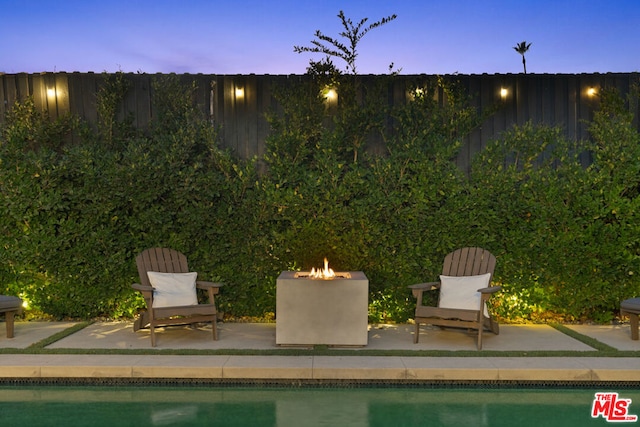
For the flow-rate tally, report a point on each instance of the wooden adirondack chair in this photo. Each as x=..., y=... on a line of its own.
x=163, y=260
x=466, y=274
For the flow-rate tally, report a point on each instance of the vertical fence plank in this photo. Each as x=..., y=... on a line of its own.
x=50, y=88
x=39, y=92
x=487, y=100
x=575, y=98
x=74, y=81
x=252, y=116
x=585, y=105
x=89, y=87
x=130, y=103
x=263, y=99
x=62, y=94
x=4, y=102
x=561, y=103
x=634, y=101
x=201, y=94
x=214, y=102
x=240, y=118
x=24, y=89
x=533, y=100
x=522, y=101
x=470, y=84
x=547, y=100
x=583, y=113
x=510, y=102
x=11, y=90
x=229, y=137
x=75, y=94
x=142, y=104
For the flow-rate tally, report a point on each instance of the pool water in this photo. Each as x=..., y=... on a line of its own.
x=243, y=406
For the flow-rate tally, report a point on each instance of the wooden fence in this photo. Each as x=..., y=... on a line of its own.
x=239, y=102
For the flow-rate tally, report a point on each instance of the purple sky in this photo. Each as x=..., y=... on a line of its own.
x=257, y=36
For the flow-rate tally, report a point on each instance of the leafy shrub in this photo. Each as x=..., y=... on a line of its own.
x=566, y=233
x=74, y=216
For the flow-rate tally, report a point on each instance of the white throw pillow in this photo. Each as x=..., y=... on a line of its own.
x=173, y=289
x=462, y=291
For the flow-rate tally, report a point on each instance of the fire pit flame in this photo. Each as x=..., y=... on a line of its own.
x=325, y=273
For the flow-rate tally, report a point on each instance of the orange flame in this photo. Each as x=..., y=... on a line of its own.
x=325, y=274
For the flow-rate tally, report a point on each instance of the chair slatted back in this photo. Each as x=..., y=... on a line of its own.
x=163, y=260
x=470, y=261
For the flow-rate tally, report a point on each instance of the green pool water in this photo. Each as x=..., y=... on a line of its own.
x=243, y=406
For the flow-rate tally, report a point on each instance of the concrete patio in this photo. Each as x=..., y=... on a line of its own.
x=71, y=357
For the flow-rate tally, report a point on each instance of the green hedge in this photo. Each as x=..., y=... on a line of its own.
x=80, y=200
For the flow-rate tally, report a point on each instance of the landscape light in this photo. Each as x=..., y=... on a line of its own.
x=591, y=91
x=503, y=93
x=416, y=93
x=330, y=94
x=239, y=92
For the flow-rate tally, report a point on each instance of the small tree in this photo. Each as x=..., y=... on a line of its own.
x=522, y=48
x=353, y=33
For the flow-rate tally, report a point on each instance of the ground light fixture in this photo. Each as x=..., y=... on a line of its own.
x=330, y=94
x=416, y=93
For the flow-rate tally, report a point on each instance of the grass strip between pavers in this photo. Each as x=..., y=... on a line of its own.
x=59, y=335
x=591, y=342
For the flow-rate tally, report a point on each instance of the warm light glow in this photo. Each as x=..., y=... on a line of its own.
x=326, y=273
x=51, y=93
x=330, y=94
x=592, y=91
x=504, y=92
x=25, y=302
x=239, y=92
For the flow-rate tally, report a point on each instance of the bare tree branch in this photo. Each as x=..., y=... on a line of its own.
x=335, y=48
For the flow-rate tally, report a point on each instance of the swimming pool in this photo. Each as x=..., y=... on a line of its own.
x=276, y=406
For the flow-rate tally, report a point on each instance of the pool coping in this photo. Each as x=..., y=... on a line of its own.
x=321, y=368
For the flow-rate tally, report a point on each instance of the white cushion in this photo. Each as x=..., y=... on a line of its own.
x=461, y=292
x=173, y=289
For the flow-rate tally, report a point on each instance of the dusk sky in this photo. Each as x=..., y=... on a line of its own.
x=257, y=36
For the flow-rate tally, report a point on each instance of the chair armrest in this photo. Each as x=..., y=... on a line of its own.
x=215, y=287
x=142, y=288
x=419, y=288
x=490, y=290
x=147, y=293
x=426, y=286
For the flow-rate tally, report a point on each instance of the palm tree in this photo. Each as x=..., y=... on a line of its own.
x=522, y=48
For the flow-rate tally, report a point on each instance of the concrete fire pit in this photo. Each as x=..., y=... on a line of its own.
x=315, y=311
